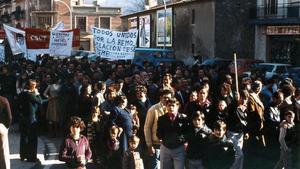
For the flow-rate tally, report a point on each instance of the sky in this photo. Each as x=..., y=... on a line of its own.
x=124, y=4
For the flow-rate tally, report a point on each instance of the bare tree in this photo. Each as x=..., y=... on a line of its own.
x=134, y=6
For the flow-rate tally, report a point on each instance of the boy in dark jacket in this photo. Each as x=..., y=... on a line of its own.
x=219, y=150
x=195, y=138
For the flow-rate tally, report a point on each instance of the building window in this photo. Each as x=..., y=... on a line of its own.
x=44, y=21
x=271, y=7
x=96, y=22
x=105, y=22
x=193, y=16
x=81, y=23
x=193, y=48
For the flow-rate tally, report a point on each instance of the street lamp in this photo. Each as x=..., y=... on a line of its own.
x=69, y=8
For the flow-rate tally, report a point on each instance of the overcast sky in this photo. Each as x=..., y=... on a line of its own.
x=124, y=4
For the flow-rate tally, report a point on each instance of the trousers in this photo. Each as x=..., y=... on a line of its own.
x=4, y=148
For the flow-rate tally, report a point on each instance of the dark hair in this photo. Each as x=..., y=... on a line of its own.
x=197, y=114
x=165, y=92
x=256, y=85
x=218, y=125
x=76, y=121
x=201, y=87
x=288, y=90
x=226, y=87
x=101, y=85
x=120, y=99
x=289, y=112
x=141, y=88
x=173, y=100
x=133, y=138
x=277, y=94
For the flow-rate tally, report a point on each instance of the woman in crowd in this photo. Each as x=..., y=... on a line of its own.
x=54, y=106
x=122, y=117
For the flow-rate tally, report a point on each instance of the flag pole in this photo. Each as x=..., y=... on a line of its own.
x=236, y=73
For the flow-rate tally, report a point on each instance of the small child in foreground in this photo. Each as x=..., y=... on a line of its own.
x=132, y=158
x=113, y=151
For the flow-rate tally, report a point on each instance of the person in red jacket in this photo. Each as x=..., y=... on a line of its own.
x=75, y=150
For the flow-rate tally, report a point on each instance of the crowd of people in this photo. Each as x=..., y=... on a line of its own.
x=120, y=115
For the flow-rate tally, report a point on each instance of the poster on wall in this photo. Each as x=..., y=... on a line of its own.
x=161, y=27
x=144, y=31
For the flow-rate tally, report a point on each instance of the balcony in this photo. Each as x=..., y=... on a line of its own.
x=288, y=13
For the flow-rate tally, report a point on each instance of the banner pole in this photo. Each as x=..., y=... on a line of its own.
x=236, y=73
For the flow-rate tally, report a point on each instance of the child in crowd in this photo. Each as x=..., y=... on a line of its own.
x=75, y=150
x=221, y=111
x=287, y=138
x=218, y=150
x=114, y=155
x=135, y=117
x=132, y=158
x=94, y=134
x=195, y=138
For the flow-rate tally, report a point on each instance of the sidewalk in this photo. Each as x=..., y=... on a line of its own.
x=14, y=146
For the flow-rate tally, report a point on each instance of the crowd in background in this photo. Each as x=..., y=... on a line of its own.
x=165, y=116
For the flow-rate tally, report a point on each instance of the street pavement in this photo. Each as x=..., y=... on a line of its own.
x=46, y=153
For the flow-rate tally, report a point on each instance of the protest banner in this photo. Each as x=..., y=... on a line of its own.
x=60, y=43
x=15, y=39
x=40, y=39
x=37, y=38
x=76, y=36
x=113, y=44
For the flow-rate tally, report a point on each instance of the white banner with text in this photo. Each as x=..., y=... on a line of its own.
x=60, y=43
x=115, y=45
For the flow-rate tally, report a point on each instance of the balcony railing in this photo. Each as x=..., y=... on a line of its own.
x=280, y=11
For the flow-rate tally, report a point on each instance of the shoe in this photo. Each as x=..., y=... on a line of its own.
x=22, y=159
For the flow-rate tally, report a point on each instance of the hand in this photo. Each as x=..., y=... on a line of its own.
x=81, y=159
x=151, y=150
x=36, y=92
x=186, y=146
x=237, y=96
x=288, y=150
x=246, y=136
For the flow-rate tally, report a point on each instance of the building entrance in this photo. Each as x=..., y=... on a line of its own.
x=284, y=49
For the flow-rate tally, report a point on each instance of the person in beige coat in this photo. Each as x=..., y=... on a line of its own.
x=153, y=143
